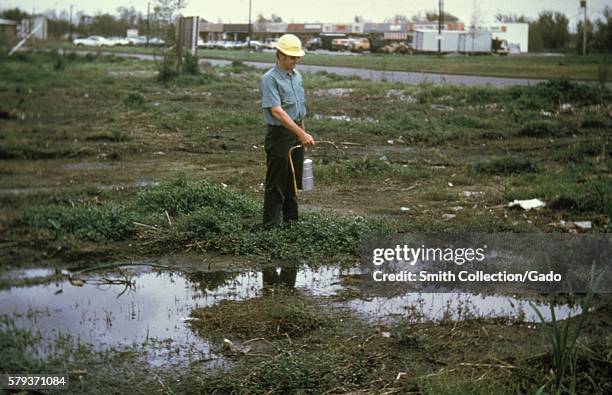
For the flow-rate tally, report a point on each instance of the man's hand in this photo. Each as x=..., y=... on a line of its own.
x=307, y=140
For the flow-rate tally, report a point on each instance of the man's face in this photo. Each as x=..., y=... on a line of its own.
x=288, y=62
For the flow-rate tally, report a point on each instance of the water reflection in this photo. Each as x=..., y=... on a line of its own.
x=101, y=311
x=280, y=277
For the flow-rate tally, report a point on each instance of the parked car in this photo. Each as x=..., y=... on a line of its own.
x=341, y=44
x=219, y=44
x=271, y=44
x=313, y=44
x=360, y=44
x=137, y=40
x=229, y=45
x=92, y=41
x=256, y=45
x=156, y=41
x=118, y=41
x=239, y=45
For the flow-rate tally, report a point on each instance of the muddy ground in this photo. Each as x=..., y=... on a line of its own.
x=103, y=165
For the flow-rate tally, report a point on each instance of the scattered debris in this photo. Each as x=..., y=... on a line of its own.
x=231, y=348
x=400, y=95
x=527, y=204
x=390, y=142
x=470, y=193
x=441, y=107
x=345, y=118
x=404, y=209
x=584, y=225
x=335, y=92
x=457, y=208
x=228, y=346
x=572, y=226
x=449, y=216
x=383, y=158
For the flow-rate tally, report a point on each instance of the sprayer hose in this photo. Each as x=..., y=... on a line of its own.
x=295, y=187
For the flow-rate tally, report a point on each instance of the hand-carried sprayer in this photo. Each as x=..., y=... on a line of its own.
x=307, y=170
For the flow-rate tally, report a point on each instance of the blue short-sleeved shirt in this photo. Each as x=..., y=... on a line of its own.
x=281, y=88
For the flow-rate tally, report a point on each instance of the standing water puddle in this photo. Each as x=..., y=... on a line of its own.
x=152, y=308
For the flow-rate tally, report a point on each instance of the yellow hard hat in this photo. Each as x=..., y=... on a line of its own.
x=290, y=45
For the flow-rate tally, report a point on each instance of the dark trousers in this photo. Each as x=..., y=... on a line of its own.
x=279, y=193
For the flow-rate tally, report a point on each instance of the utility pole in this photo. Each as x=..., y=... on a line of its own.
x=584, y=27
x=249, y=36
x=148, y=22
x=70, y=25
x=440, y=22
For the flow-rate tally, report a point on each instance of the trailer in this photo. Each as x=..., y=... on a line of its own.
x=475, y=42
x=452, y=41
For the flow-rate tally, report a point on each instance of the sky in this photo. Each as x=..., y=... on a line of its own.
x=339, y=11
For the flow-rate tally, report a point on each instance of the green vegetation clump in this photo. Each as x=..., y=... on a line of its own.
x=541, y=128
x=592, y=196
x=218, y=218
x=190, y=63
x=596, y=121
x=274, y=316
x=113, y=222
x=507, y=165
x=134, y=99
x=183, y=196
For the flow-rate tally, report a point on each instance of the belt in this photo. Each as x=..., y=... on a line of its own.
x=297, y=121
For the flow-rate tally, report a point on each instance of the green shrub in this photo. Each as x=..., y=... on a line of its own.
x=167, y=68
x=133, y=99
x=190, y=63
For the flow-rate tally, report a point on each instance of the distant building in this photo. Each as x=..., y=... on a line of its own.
x=29, y=24
x=422, y=35
x=8, y=28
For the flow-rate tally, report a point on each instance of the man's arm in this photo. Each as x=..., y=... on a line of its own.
x=306, y=139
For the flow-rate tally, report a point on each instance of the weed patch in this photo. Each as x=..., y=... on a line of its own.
x=134, y=99
x=507, y=165
x=542, y=129
x=90, y=223
x=276, y=315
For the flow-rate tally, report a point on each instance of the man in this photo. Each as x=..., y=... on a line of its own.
x=283, y=102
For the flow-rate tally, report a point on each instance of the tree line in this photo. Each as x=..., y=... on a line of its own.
x=59, y=24
x=550, y=32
